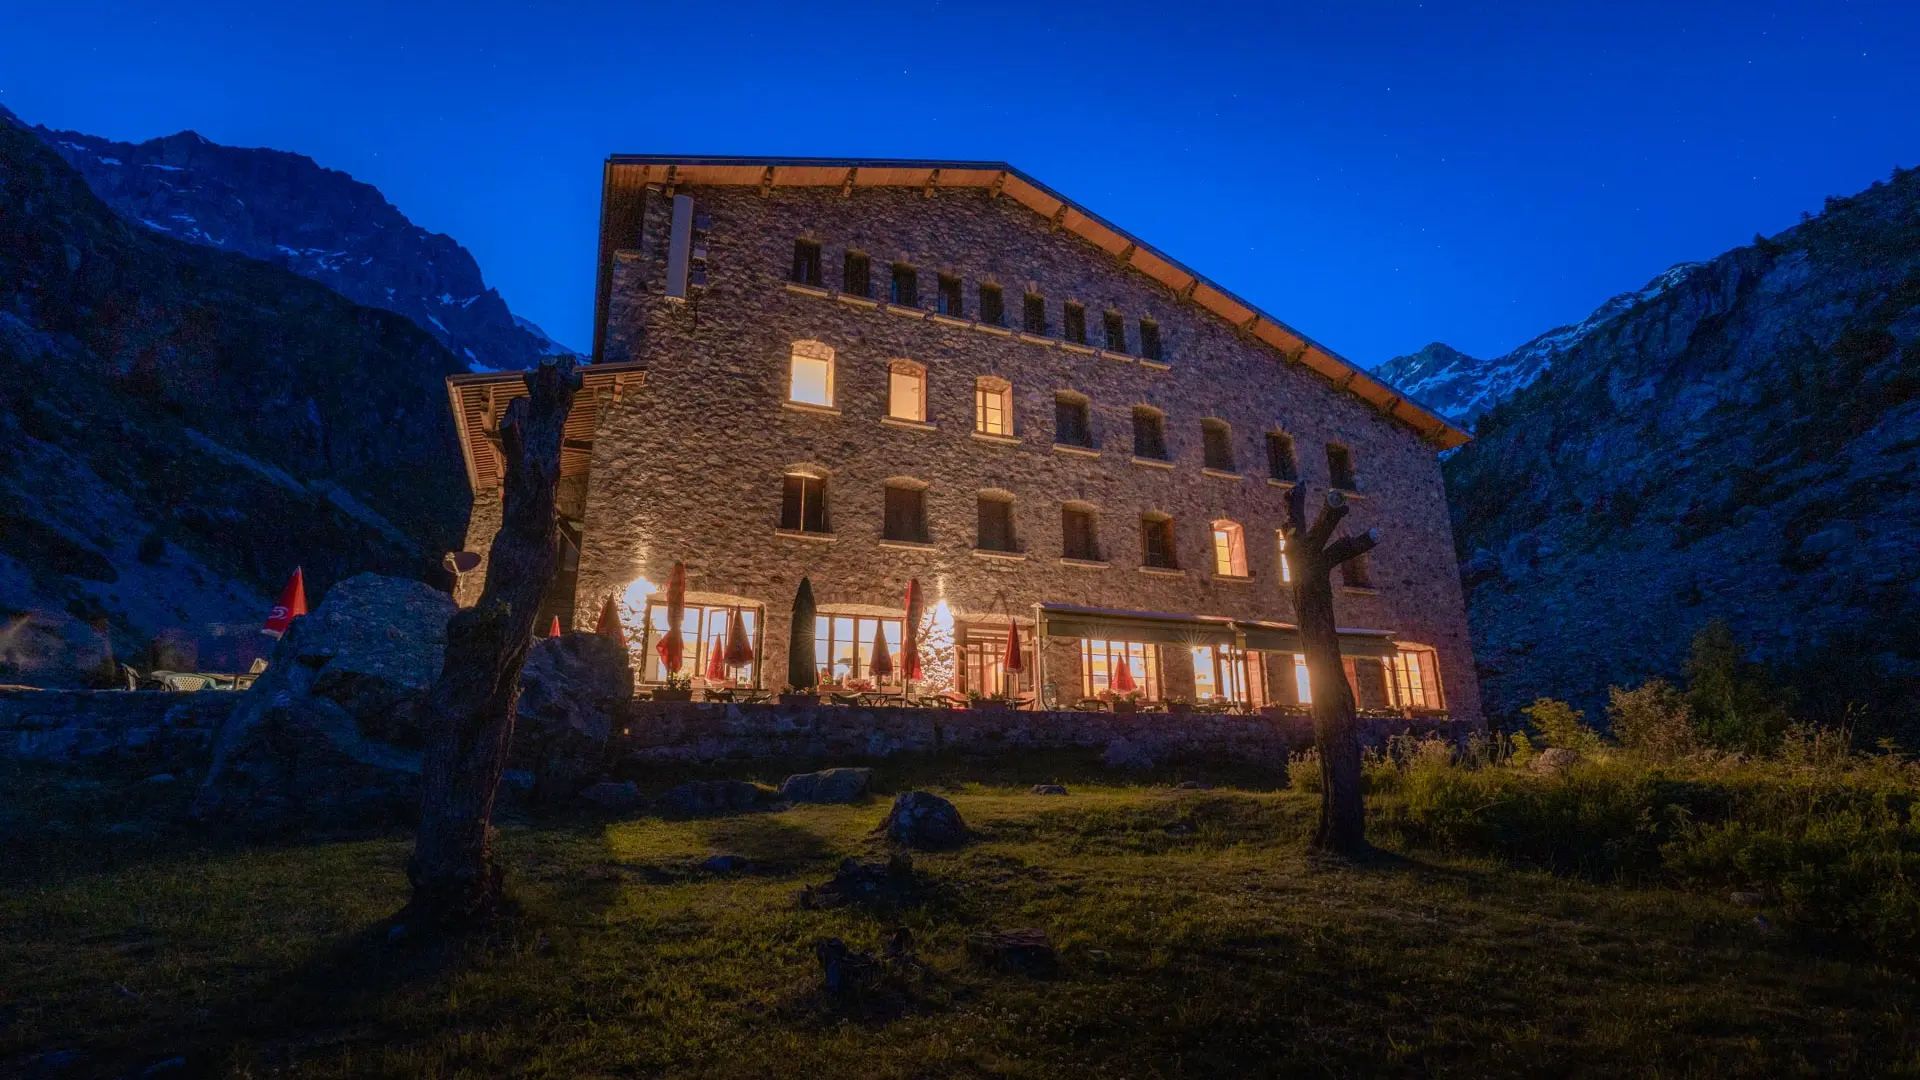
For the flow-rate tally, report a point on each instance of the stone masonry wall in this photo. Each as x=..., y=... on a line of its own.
x=705, y=732
x=689, y=464
x=67, y=726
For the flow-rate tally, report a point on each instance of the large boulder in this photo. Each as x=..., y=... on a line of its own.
x=714, y=797
x=376, y=644
x=574, y=691
x=327, y=733
x=843, y=785
x=921, y=819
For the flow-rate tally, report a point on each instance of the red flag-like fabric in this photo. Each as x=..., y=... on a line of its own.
x=1123, y=677
x=1016, y=661
x=910, y=638
x=881, y=665
x=609, y=624
x=739, y=649
x=716, y=661
x=554, y=630
x=672, y=647
x=293, y=604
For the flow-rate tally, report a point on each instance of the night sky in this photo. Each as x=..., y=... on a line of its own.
x=1380, y=175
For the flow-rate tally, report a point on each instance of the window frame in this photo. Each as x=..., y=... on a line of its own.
x=861, y=629
x=1229, y=549
x=1158, y=525
x=1114, y=327
x=900, y=368
x=1357, y=572
x=889, y=515
x=1283, y=458
x=993, y=304
x=1143, y=659
x=810, y=350
x=1151, y=419
x=806, y=262
x=1091, y=551
x=992, y=392
x=1341, y=473
x=1150, y=340
x=903, y=285
x=856, y=274
x=1216, y=445
x=950, y=296
x=1075, y=404
x=1009, y=540
x=699, y=641
x=1033, y=313
x=799, y=521
x=1073, y=322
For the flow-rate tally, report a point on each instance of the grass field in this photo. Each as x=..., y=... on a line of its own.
x=1196, y=938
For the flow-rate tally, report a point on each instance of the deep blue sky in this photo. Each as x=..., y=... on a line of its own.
x=1378, y=174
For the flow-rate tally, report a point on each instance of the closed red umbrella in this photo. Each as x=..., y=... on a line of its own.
x=554, y=630
x=739, y=649
x=672, y=647
x=293, y=604
x=882, y=665
x=609, y=624
x=716, y=663
x=1123, y=676
x=910, y=636
x=1016, y=662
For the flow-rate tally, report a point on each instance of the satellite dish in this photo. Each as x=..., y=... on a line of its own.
x=459, y=562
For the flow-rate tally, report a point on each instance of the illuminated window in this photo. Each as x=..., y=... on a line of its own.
x=803, y=503
x=1355, y=573
x=1216, y=443
x=1116, y=332
x=993, y=406
x=1302, y=682
x=1072, y=426
x=1156, y=535
x=806, y=262
x=856, y=274
x=1099, y=659
x=1149, y=339
x=811, y=381
x=906, y=390
x=983, y=664
x=947, y=299
x=1033, y=314
x=703, y=631
x=1229, y=549
x=1219, y=673
x=1073, y=323
x=843, y=647
x=1149, y=433
x=1281, y=464
x=1280, y=541
x=992, y=306
x=1413, y=678
x=904, y=289
x=1340, y=467
x=1079, y=539
x=906, y=512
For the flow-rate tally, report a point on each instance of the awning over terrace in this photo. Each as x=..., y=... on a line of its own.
x=1116, y=624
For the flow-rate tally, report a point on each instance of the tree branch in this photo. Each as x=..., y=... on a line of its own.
x=1348, y=547
x=1327, y=520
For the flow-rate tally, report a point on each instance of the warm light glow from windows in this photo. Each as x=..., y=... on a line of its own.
x=1229, y=550
x=993, y=407
x=1302, y=684
x=1100, y=658
x=812, y=374
x=1286, y=572
x=907, y=391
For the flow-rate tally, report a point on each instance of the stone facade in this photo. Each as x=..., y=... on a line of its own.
x=689, y=464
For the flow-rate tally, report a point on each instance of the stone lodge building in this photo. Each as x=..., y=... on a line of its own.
x=866, y=372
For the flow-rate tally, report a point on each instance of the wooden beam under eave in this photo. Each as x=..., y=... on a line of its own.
x=846, y=186
x=933, y=181
x=999, y=183
x=1126, y=253
x=1059, y=216
x=766, y=182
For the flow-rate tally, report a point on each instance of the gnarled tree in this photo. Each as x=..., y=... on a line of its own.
x=1312, y=556
x=468, y=713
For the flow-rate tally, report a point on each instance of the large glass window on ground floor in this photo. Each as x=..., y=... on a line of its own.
x=1220, y=673
x=983, y=664
x=844, y=647
x=703, y=635
x=1413, y=678
x=1100, y=659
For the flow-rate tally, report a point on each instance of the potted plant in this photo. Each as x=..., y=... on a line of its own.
x=1179, y=706
x=1122, y=704
x=679, y=687
x=977, y=700
x=791, y=696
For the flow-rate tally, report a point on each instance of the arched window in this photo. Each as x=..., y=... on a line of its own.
x=906, y=391
x=1072, y=419
x=1149, y=433
x=993, y=406
x=1229, y=549
x=1216, y=441
x=810, y=377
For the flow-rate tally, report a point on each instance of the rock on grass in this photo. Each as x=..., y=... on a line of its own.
x=923, y=820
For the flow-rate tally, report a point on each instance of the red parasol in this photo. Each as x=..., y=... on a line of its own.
x=1123, y=676
x=716, y=663
x=739, y=649
x=1016, y=661
x=554, y=630
x=882, y=664
x=672, y=648
x=293, y=604
x=910, y=638
x=609, y=624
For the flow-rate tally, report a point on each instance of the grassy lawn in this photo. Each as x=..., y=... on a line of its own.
x=1195, y=936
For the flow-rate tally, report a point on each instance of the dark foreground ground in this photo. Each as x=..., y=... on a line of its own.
x=1196, y=939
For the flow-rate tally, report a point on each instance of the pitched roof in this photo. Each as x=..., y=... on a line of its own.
x=626, y=175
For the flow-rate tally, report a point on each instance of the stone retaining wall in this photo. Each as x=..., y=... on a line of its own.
x=702, y=732
x=65, y=726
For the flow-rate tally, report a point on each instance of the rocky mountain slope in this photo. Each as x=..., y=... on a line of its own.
x=1460, y=387
x=183, y=425
x=1742, y=444
x=321, y=224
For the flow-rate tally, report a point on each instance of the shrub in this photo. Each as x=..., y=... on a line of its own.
x=1731, y=698
x=1303, y=771
x=1562, y=725
x=1654, y=720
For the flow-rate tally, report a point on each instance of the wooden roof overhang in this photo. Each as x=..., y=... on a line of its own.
x=480, y=400
x=626, y=174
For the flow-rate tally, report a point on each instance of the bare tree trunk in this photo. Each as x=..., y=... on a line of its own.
x=1342, y=827
x=468, y=714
